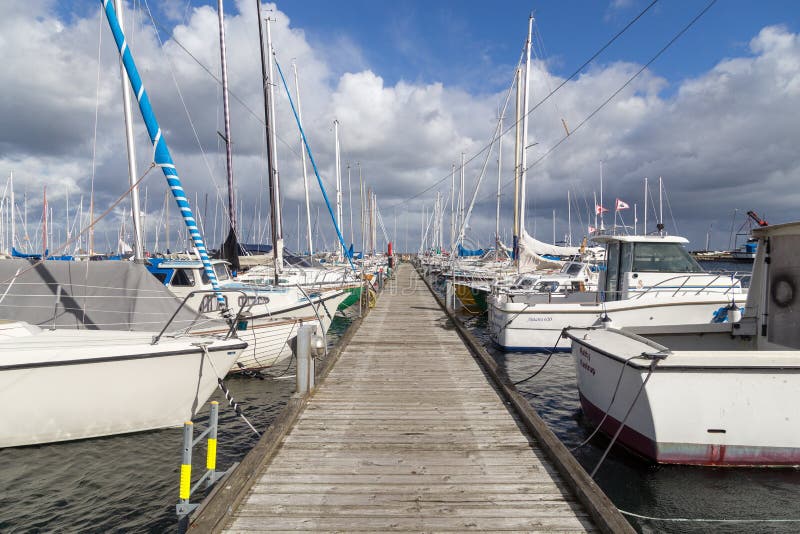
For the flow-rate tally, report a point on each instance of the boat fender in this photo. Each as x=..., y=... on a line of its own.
x=734, y=313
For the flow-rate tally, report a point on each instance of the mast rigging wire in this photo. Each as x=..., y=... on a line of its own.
x=547, y=97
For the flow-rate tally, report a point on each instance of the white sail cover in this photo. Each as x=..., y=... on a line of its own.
x=531, y=260
x=538, y=247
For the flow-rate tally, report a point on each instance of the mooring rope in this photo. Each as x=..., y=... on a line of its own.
x=704, y=520
x=630, y=409
x=228, y=395
x=552, y=351
x=605, y=416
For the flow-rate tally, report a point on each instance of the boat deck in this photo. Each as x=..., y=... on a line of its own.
x=407, y=434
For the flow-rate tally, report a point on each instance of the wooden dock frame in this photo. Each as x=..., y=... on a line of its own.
x=218, y=508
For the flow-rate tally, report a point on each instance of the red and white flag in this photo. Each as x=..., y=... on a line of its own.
x=599, y=210
x=592, y=229
x=622, y=205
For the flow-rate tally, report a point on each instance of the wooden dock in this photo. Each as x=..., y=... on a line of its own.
x=408, y=433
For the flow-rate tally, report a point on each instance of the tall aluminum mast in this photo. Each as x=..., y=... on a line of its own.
x=138, y=248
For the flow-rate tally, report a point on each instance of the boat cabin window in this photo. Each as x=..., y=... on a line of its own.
x=663, y=258
x=548, y=287
x=572, y=269
x=182, y=278
x=221, y=270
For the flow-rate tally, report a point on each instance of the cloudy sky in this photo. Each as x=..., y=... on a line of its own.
x=413, y=85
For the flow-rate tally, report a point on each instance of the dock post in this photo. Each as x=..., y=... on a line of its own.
x=185, y=491
x=303, y=358
x=449, y=296
x=211, y=448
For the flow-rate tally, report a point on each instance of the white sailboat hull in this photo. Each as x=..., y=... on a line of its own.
x=269, y=335
x=67, y=385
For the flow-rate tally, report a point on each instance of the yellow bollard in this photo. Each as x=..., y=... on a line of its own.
x=211, y=449
x=186, y=464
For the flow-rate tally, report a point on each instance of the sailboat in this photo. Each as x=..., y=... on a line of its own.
x=82, y=383
x=272, y=314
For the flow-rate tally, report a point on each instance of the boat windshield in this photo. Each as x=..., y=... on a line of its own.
x=221, y=270
x=571, y=269
x=663, y=258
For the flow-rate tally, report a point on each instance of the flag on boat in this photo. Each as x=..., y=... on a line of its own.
x=592, y=229
x=599, y=210
x=622, y=205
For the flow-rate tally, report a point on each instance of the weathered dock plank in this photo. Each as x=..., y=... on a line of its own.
x=407, y=434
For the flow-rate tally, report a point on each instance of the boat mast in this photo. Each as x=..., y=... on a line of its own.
x=452, y=207
x=361, y=202
x=303, y=160
x=13, y=225
x=601, y=195
x=461, y=202
x=499, y=173
x=644, y=228
x=569, y=220
x=44, y=225
x=517, y=148
x=525, y=105
x=278, y=203
x=350, y=204
x=138, y=248
x=274, y=205
x=231, y=243
x=338, y=173
x=660, y=207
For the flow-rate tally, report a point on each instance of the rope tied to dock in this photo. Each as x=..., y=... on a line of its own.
x=552, y=351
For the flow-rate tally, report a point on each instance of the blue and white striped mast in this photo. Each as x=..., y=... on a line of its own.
x=161, y=155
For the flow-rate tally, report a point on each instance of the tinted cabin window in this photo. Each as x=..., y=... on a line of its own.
x=663, y=258
x=183, y=278
x=612, y=271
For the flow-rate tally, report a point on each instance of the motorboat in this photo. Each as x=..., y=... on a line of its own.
x=645, y=280
x=711, y=394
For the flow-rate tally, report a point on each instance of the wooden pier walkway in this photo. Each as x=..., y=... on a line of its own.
x=406, y=433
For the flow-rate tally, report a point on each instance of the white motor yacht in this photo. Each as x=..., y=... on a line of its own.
x=714, y=394
x=647, y=280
